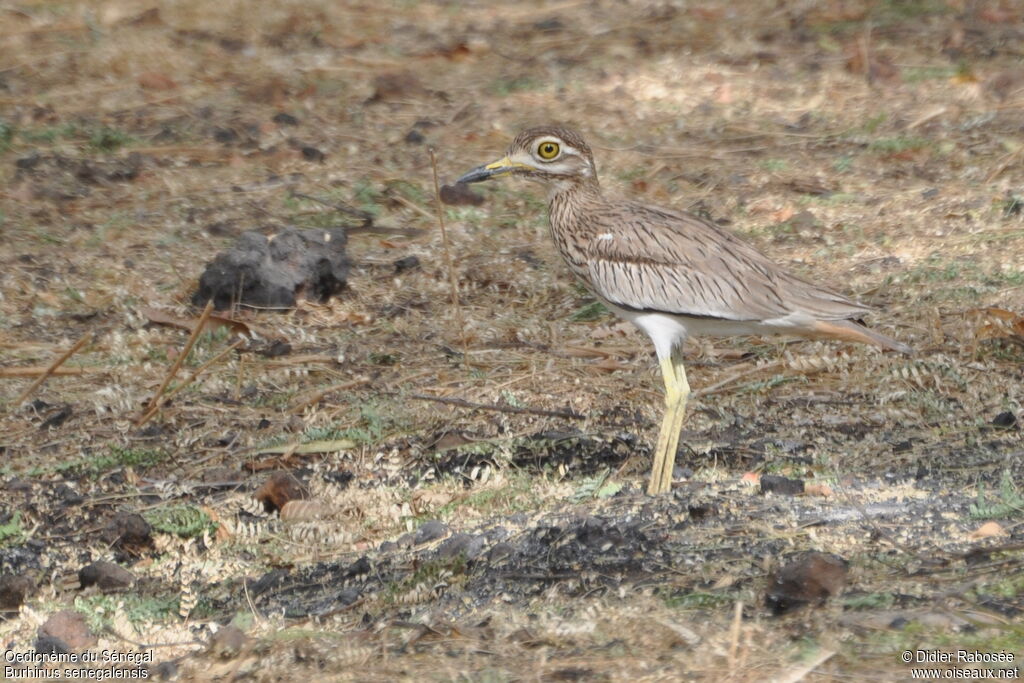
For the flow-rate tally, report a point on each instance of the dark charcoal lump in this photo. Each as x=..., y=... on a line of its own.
x=107, y=575
x=274, y=273
x=13, y=591
x=773, y=483
x=128, y=531
x=430, y=531
x=1005, y=419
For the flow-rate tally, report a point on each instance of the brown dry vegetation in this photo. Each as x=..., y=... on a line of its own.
x=871, y=145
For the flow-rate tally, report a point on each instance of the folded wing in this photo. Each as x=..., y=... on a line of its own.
x=678, y=263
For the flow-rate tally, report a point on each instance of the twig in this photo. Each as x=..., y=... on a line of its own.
x=368, y=225
x=798, y=673
x=463, y=403
x=734, y=634
x=364, y=216
x=53, y=366
x=37, y=370
x=866, y=44
x=452, y=278
x=248, y=599
x=159, y=396
x=203, y=368
x=733, y=377
x=412, y=205
x=302, y=405
x=149, y=646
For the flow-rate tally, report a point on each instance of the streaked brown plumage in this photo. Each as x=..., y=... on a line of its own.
x=671, y=273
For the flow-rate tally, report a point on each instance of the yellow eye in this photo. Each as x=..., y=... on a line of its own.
x=548, y=150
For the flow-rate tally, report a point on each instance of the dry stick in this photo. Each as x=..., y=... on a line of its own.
x=158, y=397
x=203, y=368
x=795, y=674
x=452, y=278
x=302, y=405
x=53, y=366
x=866, y=44
x=463, y=403
x=734, y=635
x=368, y=225
x=717, y=386
x=36, y=370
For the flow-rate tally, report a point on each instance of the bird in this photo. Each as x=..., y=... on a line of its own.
x=671, y=273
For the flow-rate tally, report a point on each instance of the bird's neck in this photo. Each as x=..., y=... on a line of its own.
x=568, y=205
x=573, y=192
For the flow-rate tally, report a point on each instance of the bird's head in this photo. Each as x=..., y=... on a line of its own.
x=556, y=156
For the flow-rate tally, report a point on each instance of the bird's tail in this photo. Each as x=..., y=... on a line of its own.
x=848, y=330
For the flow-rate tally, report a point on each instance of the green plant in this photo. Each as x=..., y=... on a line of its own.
x=1008, y=502
x=115, y=457
x=595, y=310
x=698, y=600
x=12, y=533
x=899, y=143
x=187, y=521
x=6, y=135
x=109, y=139
x=368, y=196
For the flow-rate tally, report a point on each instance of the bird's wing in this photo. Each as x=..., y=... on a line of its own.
x=650, y=259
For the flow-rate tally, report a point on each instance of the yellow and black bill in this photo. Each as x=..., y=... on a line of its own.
x=499, y=167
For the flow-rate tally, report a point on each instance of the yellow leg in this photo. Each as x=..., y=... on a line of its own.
x=677, y=391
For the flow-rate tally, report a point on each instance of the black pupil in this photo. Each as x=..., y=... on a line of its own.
x=549, y=149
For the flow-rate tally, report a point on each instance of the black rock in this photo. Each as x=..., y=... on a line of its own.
x=129, y=531
x=225, y=135
x=430, y=531
x=313, y=154
x=105, y=575
x=284, y=119
x=406, y=263
x=51, y=645
x=58, y=418
x=268, y=581
x=466, y=545
x=772, y=483
x=271, y=273
x=1005, y=419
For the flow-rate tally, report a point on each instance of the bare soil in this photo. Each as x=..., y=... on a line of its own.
x=470, y=476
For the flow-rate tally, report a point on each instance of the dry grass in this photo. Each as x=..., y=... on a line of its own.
x=739, y=114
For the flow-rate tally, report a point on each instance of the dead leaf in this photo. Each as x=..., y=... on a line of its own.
x=723, y=94
x=303, y=511
x=998, y=15
x=860, y=59
x=616, y=330
x=154, y=80
x=987, y=530
x=823, y=490
x=425, y=500
x=609, y=365
x=782, y=215
x=399, y=85
x=997, y=323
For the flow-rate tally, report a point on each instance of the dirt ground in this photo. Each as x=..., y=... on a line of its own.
x=466, y=480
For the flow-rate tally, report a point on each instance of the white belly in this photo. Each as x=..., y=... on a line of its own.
x=668, y=331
